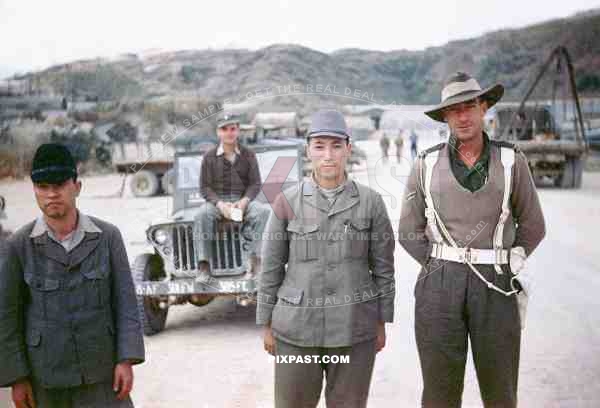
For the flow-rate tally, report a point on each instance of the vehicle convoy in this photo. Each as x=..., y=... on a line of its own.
x=170, y=274
x=550, y=132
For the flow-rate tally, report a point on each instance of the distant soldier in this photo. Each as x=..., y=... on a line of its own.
x=384, y=143
x=399, y=141
x=413, y=144
x=69, y=324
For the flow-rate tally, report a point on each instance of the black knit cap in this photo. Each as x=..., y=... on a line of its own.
x=53, y=163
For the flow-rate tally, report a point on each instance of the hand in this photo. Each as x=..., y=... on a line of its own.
x=123, y=381
x=22, y=395
x=242, y=204
x=380, y=340
x=269, y=341
x=225, y=209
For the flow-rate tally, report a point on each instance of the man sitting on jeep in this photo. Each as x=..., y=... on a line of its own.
x=229, y=182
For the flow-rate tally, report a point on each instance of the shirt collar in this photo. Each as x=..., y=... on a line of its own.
x=485, y=152
x=221, y=149
x=84, y=224
x=311, y=185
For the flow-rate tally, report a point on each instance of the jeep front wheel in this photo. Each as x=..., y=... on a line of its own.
x=149, y=267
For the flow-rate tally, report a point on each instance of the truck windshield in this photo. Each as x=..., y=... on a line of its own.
x=188, y=172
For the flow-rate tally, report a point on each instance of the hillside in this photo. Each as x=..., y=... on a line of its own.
x=508, y=56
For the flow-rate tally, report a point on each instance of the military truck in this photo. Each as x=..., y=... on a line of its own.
x=547, y=125
x=170, y=276
x=554, y=150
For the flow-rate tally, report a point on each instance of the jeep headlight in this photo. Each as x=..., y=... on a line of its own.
x=161, y=236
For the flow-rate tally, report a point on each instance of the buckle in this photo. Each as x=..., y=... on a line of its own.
x=468, y=255
x=499, y=258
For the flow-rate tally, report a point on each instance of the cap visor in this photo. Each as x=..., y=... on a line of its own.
x=52, y=177
x=328, y=134
x=228, y=122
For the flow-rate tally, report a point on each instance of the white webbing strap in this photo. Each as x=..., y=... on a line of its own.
x=507, y=156
x=433, y=218
x=429, y=162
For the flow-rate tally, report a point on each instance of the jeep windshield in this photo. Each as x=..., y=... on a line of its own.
x=187, y=172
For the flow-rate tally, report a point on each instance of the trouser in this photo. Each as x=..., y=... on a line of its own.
x=255, y=218
x=5, y=398
x=100, y=395
x=452, y=305
x=298, y=385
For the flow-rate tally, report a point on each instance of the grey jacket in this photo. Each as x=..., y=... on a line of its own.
x=66, y=318
x=339, y=279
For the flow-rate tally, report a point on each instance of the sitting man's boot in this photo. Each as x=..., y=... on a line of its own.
x=253, y=266
x=203, y=272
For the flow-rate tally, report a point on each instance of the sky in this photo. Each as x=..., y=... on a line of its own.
x=36, y=35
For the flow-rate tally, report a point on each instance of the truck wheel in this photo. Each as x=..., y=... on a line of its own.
x=166, y=183
x=149, y=267
x=144, y=184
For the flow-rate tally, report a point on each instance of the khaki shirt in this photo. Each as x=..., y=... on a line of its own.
x=328, y=270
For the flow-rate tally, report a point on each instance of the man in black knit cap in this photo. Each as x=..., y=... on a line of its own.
x=69, y=326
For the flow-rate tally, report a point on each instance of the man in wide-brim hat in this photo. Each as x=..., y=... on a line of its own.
x=461, y=87
x=472, y=205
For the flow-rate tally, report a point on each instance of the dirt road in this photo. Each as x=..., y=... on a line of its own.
x=213, y=356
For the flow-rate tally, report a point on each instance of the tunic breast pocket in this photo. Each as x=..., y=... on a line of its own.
x=96, y=286
x=304, y=242
x=358, y=237
x=46, y=299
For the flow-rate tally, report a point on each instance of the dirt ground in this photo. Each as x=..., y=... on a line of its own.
x=213, y=356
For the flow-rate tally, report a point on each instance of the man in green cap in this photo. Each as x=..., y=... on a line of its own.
x=69, y=325
x=327, y=284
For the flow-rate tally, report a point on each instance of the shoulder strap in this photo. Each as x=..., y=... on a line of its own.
x=428, y=160
x=507, y=157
